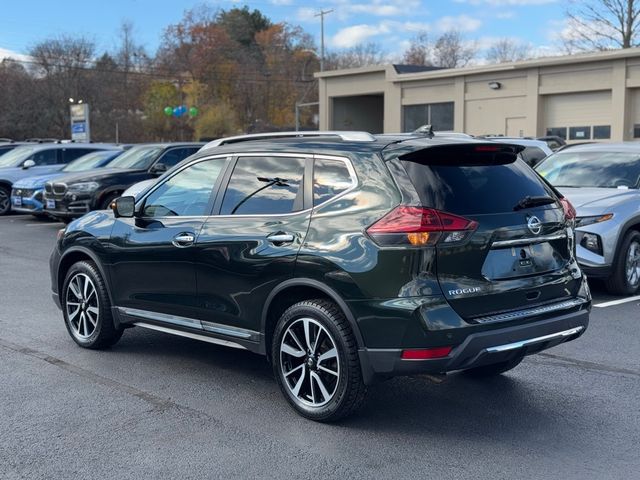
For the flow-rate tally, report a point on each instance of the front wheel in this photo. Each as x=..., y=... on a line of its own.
x=315, y=361
x=86, y=307
x=625, y=278
x=5, y=200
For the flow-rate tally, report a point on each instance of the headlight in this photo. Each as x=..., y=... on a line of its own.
x=584, y=221
x=83, y=187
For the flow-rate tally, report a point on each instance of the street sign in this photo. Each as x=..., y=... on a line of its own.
x=80, y=131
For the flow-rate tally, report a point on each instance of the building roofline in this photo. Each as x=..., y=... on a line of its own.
x=493, y=68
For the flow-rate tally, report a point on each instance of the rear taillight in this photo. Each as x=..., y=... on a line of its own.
x=419, y=226
x=569, y=211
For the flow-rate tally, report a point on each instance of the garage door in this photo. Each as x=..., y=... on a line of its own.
x=578, y=116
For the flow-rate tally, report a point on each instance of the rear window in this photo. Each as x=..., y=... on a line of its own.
x=474, y=189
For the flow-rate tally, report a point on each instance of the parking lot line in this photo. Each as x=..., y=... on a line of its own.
x=617, y=302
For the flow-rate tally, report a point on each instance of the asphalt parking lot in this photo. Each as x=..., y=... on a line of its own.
x=159, y=406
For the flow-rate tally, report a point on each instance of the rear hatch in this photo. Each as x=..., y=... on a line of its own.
x=519, y=253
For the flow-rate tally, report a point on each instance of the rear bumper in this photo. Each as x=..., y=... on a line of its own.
x=481, y=348
x=601, y=271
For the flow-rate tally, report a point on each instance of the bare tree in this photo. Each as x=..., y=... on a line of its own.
x=602, y=25
x=361, y=55
x=419, y=51
x=451, y=51
x=507, y=50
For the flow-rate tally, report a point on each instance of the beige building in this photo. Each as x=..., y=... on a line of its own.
x=592, y=96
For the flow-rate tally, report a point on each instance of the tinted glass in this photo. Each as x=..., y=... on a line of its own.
x=264, y=185
x=438, y=115
x=15, y=157
x=137, y=158
x=414, y=116
x=474, y=190
x=45, y=157
x=330, y=178
x=532, y=155
x=91, y=160
x=176, y=155
x=70, y=154
x=441, y=116
x=602, y=132
x=558, y=132
x=187, y=193
x=591, y=169
x=579, y=133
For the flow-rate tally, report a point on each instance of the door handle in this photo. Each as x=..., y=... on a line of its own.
x=280, y=238
x=183, y=240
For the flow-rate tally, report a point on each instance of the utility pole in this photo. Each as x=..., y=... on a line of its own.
x=321, y=14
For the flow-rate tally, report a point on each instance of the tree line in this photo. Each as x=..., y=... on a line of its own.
x=237, y=70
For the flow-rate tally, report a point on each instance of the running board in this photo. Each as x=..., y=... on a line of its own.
x=193, y=336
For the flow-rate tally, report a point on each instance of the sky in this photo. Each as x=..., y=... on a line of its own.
x=389, y=23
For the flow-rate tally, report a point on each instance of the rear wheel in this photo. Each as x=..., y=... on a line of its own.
x=315, y=361
x=87, y=309
x=5, y=200
x=625, y=279
x=494, y=369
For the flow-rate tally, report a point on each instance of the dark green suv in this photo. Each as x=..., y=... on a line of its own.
x=343, y=257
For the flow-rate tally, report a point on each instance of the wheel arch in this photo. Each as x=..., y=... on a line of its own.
x=293, y=291
x=77, y=254
x=632, y=224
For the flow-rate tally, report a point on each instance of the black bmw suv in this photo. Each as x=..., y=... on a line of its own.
x=74, y=195
x=343, y=257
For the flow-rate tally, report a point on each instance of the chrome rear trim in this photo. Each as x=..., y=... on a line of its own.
x=528, y=240
x=531, y=312
x=193, y=336
x=531, y=341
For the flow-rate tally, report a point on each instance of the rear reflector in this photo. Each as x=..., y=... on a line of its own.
x=426, y=353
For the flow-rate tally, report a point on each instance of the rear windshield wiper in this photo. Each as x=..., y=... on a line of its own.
x=529, y=202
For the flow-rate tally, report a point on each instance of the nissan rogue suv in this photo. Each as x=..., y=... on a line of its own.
x=344, y=258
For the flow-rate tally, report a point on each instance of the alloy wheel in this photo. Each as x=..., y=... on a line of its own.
x=82, y=306
x=309, y=362
x=4, y=201
x=633, y=264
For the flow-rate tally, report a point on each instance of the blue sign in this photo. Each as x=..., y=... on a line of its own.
x=79, y=127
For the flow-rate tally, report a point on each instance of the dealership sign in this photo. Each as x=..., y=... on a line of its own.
x=80, y=131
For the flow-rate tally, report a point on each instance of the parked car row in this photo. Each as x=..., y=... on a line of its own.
x=67, y=180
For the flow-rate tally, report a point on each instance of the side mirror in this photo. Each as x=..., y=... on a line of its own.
x=28, y=164
x=124, y=207
x=159, y=168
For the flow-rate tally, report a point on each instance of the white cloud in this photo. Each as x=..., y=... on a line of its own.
x=462, y=23
x=306, y=14
x=5, y=53
x=351, y=36
x=281, y=2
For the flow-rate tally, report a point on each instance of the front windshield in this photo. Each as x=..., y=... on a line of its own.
x=89, y=161
x=137, y=158
x=592, y=169
x=15, y=157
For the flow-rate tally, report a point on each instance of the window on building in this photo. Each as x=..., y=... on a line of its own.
x=557, y=132
x=438, y=115
x=601, y=132
x=636, y=131
x=579, y=133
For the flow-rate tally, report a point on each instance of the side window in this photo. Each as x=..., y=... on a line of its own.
x=176, y=155
x=330, y=178
x=69, y=154
x=45, y=157
x=532, y=155
x=187, y=193
x=265, y=185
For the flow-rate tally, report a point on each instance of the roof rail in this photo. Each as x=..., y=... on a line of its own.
x=345, y=136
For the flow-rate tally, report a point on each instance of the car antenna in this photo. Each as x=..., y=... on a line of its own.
x=424, y=130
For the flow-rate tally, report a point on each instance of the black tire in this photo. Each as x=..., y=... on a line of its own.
x=5, y=201
x=104, y=333
x=105, y=203
x=494, y=369
x=65, y=220
x=619, y=283
x=348, y=390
